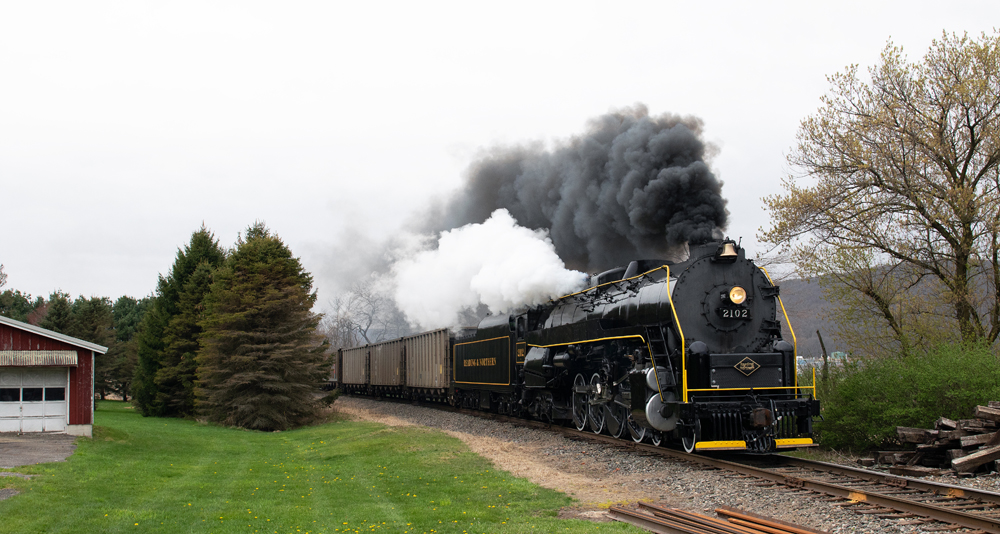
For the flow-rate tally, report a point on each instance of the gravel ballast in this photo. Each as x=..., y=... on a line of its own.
x=598, y=476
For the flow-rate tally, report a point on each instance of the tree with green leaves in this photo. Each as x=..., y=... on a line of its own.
x=18, y=306
x=898, y=197
x=262, y=363
x=163, y=382
x=58, y=313
x=175, y=381
x=91, y=319
x=115, y=370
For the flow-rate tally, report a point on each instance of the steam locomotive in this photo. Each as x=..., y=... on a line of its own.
x=689, y=352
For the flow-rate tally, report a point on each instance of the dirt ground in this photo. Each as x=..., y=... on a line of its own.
x=593, y=486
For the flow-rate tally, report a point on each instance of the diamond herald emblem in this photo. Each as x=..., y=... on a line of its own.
x=747, y=366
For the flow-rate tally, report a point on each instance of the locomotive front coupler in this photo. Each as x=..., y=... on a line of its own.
x=759, y=414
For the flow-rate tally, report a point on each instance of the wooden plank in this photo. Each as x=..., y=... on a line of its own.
x=894, y=457
x=994, y=404
x=956, y=453
x=969, y=463
x=913, y=435
x=976, y=440
x=976, y=425
x=914, y=471
x=945, y=435
x=943, y=423
x=987, y=413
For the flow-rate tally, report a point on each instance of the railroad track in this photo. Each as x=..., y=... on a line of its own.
x=936, y=506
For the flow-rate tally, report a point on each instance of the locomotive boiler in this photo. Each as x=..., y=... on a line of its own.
x=688, y=351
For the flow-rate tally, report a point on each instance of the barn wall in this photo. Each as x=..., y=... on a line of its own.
x=81, y=377
x=81, y=389
x=15, y=339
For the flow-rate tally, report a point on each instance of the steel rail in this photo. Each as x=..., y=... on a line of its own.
x=699, y=521
x=652, y=523
x=672, y=520
x=938, y=488
x=939, y=513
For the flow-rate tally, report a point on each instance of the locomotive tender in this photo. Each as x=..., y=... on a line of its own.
x=689, y=352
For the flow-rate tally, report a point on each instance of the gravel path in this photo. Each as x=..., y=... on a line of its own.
x=598, y=476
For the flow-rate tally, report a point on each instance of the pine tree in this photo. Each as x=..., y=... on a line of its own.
x=91, y=320
x=262, y=362
x=115, y=369
x=149, y=352
x=17, y=305
x=161, y=345
x=58, y=313
x=175, y=379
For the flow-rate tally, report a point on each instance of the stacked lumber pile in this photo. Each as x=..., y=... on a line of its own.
x=964, y=446
x=731, y=521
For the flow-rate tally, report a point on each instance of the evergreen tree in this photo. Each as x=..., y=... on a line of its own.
x=17, y=305
x=57, y=315
x=262, y=362
x=149, y=349
x=91, y=320
x=115, y=369
x=158, y=341
x=127, y=313
x=175, y=379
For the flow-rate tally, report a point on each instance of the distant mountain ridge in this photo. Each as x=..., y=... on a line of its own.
x=807, y=313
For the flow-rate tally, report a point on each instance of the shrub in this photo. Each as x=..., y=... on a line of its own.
x=868, y=399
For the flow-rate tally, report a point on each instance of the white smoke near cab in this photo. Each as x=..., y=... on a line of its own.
x=497, y=263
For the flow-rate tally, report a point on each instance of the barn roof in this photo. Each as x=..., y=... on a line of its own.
x=53, y=335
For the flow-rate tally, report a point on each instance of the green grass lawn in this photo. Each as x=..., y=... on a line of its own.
x=166, y=475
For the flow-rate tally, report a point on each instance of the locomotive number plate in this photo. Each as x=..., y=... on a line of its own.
x=734, y=313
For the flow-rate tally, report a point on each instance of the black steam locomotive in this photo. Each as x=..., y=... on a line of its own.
x=689, y=351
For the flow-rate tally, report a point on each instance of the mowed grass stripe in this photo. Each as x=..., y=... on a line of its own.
x=166, y=475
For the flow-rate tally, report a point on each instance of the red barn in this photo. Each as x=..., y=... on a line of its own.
x=46, y=380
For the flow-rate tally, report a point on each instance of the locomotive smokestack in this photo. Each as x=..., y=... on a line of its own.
x=631, y=186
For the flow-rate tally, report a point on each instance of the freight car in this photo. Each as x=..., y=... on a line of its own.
x=690, y=352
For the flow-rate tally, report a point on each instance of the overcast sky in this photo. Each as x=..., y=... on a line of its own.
x=125, y=125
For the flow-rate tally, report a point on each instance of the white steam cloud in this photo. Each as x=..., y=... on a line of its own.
x=497, y=263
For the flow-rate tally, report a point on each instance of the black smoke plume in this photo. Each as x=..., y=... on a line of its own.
x=630, y=187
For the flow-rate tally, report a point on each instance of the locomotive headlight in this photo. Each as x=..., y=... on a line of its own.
x=737, y=295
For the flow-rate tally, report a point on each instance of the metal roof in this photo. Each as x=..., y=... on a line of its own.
x=53, y=335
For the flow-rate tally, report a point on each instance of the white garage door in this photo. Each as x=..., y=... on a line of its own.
x=33, y=399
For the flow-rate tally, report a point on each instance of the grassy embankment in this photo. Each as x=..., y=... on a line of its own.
x=166, y=475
